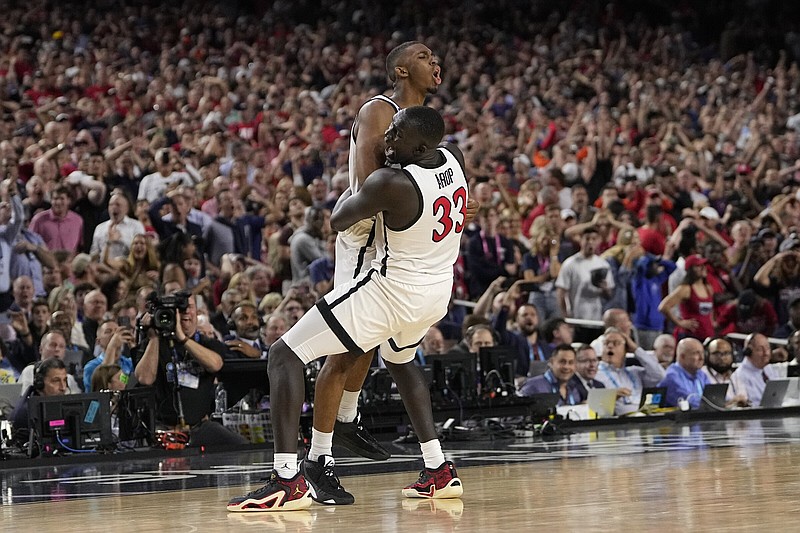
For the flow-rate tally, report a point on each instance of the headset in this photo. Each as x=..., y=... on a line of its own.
x=707, y=345
x=473, y=329
x=41, y=369
x=232, y=323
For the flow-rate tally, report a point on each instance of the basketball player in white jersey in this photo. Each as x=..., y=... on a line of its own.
x=421, y=212
x=415, y=73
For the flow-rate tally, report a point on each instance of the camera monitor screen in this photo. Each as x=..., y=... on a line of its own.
x=136, y=411
x=454, y=377
x=498, y=367
x=79, y=422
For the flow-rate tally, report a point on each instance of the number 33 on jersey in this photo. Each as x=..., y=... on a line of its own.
x=404, y=254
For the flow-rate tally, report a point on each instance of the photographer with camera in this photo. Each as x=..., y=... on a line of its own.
x=181, y=364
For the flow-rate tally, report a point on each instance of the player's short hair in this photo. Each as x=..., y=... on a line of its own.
x=427, y=122
x=394, y=56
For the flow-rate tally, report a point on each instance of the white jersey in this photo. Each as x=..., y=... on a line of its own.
x=355, y=250
x=423, y=252
x=351, y=161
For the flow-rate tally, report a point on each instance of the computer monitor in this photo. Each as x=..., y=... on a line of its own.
x=454, y=377
x=653, y=397
x=240, y=376
x=498, y=366
x=75, y=422
x=136, y=412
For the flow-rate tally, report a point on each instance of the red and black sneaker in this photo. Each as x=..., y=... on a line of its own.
x=442, y=482
x=277, y=495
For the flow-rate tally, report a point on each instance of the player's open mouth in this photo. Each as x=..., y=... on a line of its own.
x=437, y=78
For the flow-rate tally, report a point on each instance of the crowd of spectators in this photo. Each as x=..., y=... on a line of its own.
x=623, y=160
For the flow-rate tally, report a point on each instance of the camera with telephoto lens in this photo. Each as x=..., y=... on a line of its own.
x=163, y=310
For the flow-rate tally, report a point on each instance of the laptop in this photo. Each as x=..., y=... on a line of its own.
x=653, y=397
x=774, y=393
x=714, y=397
x=601, y=402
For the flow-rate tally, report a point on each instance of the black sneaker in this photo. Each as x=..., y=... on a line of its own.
x=355, y=437
x=327, y=489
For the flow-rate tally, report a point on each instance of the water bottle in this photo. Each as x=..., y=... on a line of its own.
x=220, y=400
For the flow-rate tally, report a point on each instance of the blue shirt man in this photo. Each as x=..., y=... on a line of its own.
x=558, y=379
x=651, y=273
x=110, y=341
x=683, y=378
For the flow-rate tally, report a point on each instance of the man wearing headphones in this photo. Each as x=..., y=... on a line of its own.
x=245, y=325
x=752, y=375
x=719, y=367
x=49, y=379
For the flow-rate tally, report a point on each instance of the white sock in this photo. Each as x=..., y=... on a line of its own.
x=321, y=444
x=285, y=464
x=432, y=453
x=348, y=407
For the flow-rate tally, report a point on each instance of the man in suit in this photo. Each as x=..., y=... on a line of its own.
x=245, y=340
x=586, y=365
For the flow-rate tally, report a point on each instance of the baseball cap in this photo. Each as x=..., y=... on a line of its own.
x=695, y=260
x=710, y=213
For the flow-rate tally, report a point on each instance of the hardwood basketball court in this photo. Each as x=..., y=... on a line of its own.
x=737, y=475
